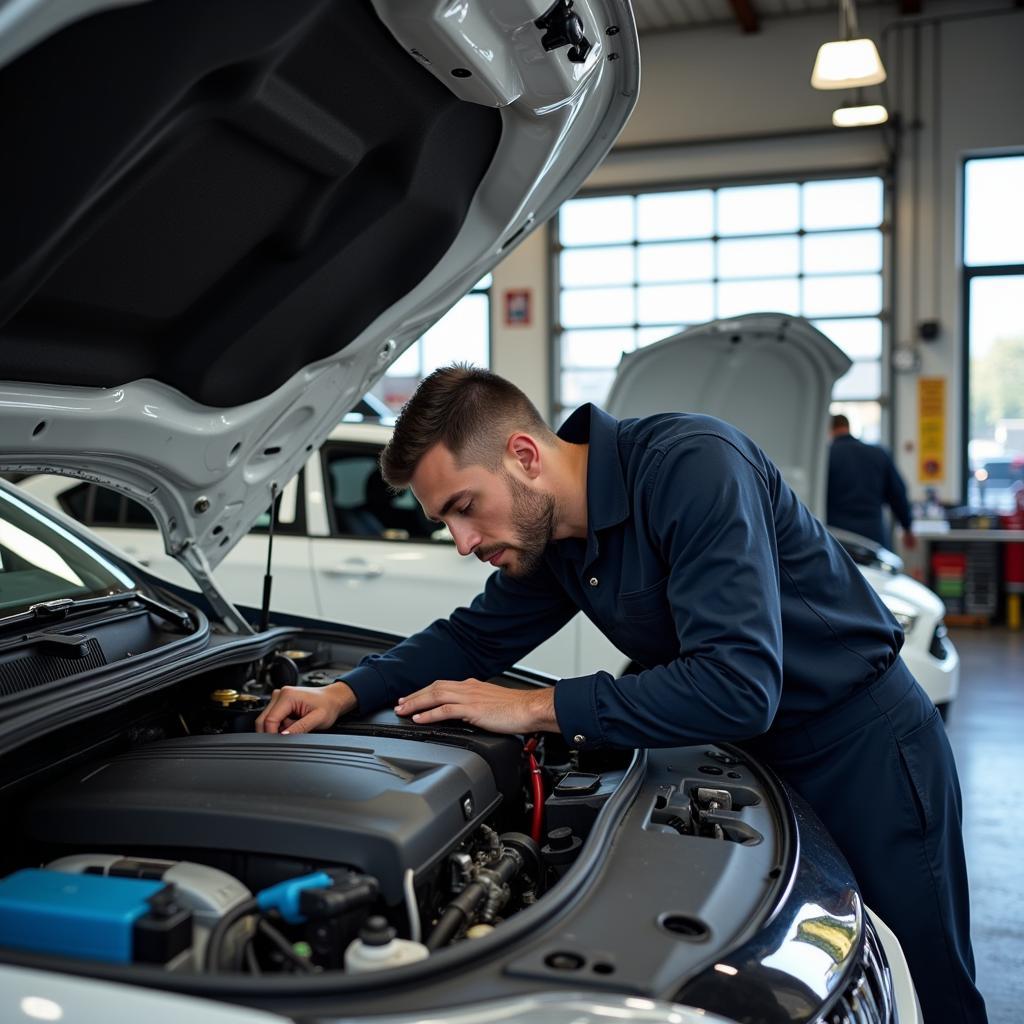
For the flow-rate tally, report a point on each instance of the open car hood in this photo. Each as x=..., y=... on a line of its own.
x=223, y=221
x=769, y=374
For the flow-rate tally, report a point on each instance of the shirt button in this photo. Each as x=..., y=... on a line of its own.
x=579, y=738
x=593, y=581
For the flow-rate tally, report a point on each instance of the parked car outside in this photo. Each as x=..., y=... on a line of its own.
x=995, y=483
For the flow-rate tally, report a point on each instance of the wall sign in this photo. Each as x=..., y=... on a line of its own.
x=931, y=429
x=518, y=307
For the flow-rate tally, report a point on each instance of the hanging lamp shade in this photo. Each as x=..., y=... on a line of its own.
x=847, y=64
x=859, y=115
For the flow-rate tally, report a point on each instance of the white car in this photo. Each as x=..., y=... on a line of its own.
x=346, y=548
x=222, y=222
x=772, y=375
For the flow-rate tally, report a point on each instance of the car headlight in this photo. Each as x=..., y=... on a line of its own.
x=906, y=613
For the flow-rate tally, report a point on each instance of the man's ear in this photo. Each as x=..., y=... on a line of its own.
x=526, y=452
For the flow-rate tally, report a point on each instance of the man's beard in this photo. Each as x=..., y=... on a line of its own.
x=533, y=521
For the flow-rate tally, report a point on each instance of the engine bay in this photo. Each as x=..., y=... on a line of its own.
x=188, y=842
x=200, y=845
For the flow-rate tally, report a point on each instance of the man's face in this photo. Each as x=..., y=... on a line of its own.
x=492, y=515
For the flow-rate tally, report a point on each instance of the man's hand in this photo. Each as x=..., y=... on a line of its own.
x=909, y=540
x=298, y=709
x=486, y=705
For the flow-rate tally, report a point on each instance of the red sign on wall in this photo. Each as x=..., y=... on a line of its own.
x=518, y=303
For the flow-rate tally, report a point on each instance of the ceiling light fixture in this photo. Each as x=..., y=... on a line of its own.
x=857, y=114
x=849, y=62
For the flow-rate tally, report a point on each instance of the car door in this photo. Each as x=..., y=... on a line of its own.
x=128, y=526
x=241, y=573
x=385, y=565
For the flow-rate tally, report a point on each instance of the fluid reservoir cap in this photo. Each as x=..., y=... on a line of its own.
x=376, y=931
x=560, y=838
x=163, y=903
x=224, y=697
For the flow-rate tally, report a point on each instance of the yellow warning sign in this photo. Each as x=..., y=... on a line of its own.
x=931, y=429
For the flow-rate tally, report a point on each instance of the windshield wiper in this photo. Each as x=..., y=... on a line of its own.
x=64, y=607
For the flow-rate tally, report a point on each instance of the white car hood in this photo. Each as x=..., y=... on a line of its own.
x=769, y=374
x=250, y=224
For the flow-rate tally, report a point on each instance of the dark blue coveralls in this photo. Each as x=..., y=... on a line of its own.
x=861, y=479
x=702, y=564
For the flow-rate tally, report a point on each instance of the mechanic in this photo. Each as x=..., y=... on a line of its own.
x=861, y=479
x=680, y=539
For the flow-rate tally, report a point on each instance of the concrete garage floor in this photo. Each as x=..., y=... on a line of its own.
x=986, y=729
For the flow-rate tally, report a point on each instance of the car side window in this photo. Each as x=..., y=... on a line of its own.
x=95, y=505
x=289, y=510
x=362, y=505
x=106, y=508
x=76, y=502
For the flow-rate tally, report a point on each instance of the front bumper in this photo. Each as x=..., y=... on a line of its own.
x=933, y=659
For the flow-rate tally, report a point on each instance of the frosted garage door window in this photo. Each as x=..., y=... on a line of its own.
x=994, y=212
x=632, y=269
x=462, y=335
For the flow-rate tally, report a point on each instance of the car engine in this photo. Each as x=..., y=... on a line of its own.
x=200, y=845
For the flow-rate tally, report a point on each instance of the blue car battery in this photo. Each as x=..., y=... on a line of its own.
x=95, y=917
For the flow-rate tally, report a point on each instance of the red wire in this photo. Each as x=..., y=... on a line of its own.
x=537, y=790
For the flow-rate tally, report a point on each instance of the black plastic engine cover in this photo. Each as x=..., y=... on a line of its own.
x=377, y=804
x=504, y=754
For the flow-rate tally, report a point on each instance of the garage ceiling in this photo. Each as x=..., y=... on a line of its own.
x=666, y=15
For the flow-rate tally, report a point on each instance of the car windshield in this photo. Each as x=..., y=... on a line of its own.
x=41, y=561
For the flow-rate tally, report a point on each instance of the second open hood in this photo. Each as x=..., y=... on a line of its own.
x=769, y=374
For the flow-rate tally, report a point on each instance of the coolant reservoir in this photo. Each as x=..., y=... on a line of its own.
x=376, y=949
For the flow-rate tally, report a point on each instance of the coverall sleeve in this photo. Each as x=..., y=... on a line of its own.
x=710, y=512
x=506, y=621
x=896, y=493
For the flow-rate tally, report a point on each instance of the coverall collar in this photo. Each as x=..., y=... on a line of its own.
x=607, y=498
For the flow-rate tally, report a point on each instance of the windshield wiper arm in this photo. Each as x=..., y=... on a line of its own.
x=61, y=608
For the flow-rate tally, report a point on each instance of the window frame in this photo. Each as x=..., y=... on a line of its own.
x=293, y=529
x=89, y=518
x=298, y=527
x=486, y=292
x=358, y=448
x=886, y=315
x=969, y=274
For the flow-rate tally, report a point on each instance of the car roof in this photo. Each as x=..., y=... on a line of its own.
x=366, y=433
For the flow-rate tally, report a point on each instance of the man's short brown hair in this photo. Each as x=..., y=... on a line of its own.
x=471, y=412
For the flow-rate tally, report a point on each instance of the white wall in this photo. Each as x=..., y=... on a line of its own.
x=522, y=353
x=957, y=87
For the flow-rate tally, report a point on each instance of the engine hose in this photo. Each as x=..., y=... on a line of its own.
x=536, y=791
x=221, y=929
x=458, y=913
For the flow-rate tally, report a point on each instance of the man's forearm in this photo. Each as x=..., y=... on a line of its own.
x=543, y=710
x=344, y=696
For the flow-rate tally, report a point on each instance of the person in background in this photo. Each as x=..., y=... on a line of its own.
x=861, y=479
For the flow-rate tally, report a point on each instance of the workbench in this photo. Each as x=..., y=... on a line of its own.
x=929, y=532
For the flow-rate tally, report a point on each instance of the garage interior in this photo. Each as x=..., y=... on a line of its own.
x=883, y=206
x=726, y=100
